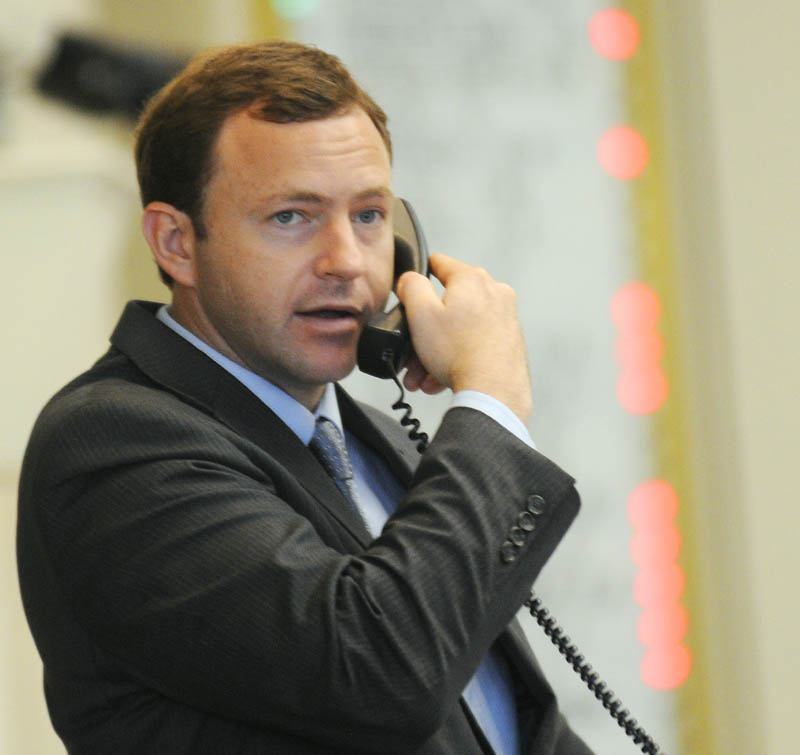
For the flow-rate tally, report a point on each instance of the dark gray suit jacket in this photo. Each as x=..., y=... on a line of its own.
x=196, y=584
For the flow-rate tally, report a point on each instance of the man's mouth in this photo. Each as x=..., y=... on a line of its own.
x=328, y=313
x=332, y=311
x=343, y=315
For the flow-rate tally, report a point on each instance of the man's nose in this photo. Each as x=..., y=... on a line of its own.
x=340, y=255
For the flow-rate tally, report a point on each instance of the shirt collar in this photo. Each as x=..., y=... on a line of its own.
x=299, y=419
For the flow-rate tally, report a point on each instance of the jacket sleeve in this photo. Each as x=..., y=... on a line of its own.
x=170, y=546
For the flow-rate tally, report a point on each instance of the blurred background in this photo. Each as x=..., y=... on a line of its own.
x=630, y=168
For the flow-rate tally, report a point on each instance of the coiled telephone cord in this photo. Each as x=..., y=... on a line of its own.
x=407, y=420
x=590, y=677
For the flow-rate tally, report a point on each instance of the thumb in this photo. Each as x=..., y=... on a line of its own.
x=416, y=293
x=424, y=309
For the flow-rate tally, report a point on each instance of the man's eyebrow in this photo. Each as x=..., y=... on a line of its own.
x=375, y=192
x=295, y=196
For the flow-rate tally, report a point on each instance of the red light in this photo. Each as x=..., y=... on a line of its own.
x=660, y=584
x=622, y=152
x=666, y=668
x=650, y=548
x=655, y=545
x=614, y=34
x=653, y=504
x=635, y=307
x=640, y=349
x=642, y=386
x=642, y=391
x=663, y=625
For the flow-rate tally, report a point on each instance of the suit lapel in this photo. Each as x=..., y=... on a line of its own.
x=245, y=413
x=171, y=361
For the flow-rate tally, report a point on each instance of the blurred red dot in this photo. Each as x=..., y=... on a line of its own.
x=666, y=668
x=652, y=505
x=622, y=152
x=662, y=626
x=635, y=306
x=642, y=390
x=614, y=34
x=639, y=349
x=660, y=584
x=651, y=549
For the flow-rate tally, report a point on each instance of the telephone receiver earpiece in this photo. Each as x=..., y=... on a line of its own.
x=385, y=343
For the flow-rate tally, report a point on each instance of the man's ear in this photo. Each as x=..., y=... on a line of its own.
x=170, y=234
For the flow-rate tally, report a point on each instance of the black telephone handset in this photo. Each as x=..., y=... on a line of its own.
x=385, y=343
x=383, y=349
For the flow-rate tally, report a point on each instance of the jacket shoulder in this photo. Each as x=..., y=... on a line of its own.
x=110, y=402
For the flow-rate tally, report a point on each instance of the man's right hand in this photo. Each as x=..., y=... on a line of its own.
x=470, y=339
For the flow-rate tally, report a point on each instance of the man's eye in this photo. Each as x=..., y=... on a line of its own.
x=287, y=217
x=368, y=216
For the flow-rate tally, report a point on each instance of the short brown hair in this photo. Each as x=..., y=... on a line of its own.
x=279, y=80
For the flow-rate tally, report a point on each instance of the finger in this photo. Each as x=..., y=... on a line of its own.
x=415, y=374
x=431, y=385
x=416, y=291
x=444, y=267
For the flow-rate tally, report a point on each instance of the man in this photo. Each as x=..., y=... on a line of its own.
x=195, y=580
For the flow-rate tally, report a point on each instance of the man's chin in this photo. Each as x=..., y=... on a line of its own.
x=333, y=376
x=332, y=369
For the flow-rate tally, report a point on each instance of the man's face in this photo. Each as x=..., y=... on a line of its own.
x=299, y=247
